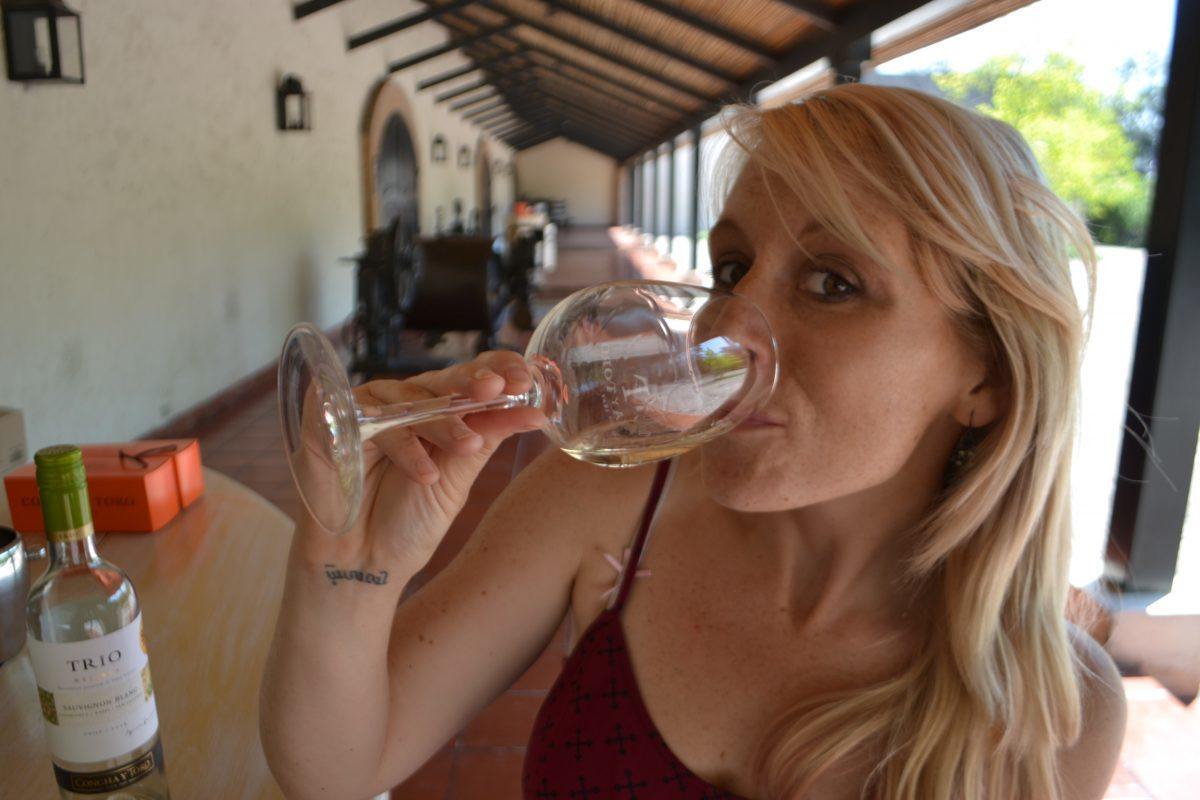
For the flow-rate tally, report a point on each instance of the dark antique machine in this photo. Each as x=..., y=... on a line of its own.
x=410, y=290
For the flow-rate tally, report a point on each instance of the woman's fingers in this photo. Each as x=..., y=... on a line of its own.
x=401, y=444
x=486, y=377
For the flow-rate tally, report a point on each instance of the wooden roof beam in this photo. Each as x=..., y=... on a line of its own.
x=519, y=18
x=561, y=59
x=461, y=104
x=854, y=24
x=540, y=121
x=537, y=93
x=496, y=114
x=536, y=140
x=533, y=116
x=628, y=105
x=588, y=120
x=645, y=118
x=494, y=125
x=460, y=91
x=576, y=127
x=476, y=64
x=708, y=26
x=562, y=118
x=516, y=126
x=821, y=15
x=302, y=10
x=403, y=24
x=586, y=70
x=521, y=116
x=426, y=55
x=449, y=75
x=473, y=113
x=600, y=90
x=604, y=148
x=641, y=39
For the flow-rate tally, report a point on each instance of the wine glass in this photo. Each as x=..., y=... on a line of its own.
x=626, y=373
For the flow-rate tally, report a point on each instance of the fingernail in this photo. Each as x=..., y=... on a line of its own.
x=483, y=374
x=516, y=374
x=426, y=467
x=463, y=432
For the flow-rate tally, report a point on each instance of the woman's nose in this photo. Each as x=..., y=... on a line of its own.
x=741, y=318
x=756, y=293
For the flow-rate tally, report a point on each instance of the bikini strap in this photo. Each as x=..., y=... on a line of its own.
x=648, y=514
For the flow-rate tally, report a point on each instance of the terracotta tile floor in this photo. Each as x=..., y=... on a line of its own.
x=483, y=762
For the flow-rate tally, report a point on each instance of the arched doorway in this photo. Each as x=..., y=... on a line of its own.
x=391, y=171
x=396, y=175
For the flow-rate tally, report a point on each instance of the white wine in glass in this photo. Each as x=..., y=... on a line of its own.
x=627, y=373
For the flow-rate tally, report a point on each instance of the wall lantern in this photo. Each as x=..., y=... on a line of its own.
x=43, y=41
x=439, y=148
x=464, y=157
x=291, y=105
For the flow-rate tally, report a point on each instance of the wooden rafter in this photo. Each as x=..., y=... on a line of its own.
x=404, y=23
x=820, y=13
x=641, y=39
x=708, y=26
x=599, y=52
x=302, y=10
x=434, y=52
x=460, y=91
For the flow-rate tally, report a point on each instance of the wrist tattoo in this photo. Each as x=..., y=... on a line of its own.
x=334, y=574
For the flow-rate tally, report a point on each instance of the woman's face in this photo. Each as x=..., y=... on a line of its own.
x=874, y=383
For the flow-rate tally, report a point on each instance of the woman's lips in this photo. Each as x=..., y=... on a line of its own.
x=758, y=421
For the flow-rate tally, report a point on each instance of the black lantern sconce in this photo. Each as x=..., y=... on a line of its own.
x=43, y=41
x=438, y=153
x=464, y=157
x=291, y=105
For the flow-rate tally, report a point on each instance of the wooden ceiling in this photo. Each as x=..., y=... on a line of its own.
x=618, y=76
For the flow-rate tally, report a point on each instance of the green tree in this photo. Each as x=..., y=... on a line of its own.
x=1139, y=104
x=1075, y=132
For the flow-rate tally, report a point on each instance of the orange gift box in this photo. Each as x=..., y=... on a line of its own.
x=133, y=486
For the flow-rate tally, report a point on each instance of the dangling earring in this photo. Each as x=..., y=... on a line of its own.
x=964, y=451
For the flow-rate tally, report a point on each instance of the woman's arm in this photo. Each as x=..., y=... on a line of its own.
x=362, y=693
x=322, y=709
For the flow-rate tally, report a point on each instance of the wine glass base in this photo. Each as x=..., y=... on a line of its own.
x=320, y=433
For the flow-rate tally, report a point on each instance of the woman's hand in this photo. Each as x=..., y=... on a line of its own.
x=418, y=477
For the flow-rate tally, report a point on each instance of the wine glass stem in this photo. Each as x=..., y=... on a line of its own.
x=374, y=420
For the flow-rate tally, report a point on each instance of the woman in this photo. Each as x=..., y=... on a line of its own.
x=862, y=596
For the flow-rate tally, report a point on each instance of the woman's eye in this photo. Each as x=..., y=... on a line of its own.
x=828, y=285
x=728, y=273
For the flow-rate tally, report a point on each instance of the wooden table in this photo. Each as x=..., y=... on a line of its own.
x=209, y=584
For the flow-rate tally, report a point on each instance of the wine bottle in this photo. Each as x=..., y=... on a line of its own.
x=88, y=652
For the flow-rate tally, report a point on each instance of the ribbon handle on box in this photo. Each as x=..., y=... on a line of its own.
x=140, y=457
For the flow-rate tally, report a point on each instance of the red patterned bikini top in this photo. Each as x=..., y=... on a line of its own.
x=593, y=738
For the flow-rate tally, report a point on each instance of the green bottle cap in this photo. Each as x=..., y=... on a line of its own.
x=60, y=467
x=62, y=485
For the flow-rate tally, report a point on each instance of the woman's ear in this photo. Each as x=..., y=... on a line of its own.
x=982, y=404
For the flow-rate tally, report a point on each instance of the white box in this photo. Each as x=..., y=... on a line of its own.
x=13, y=451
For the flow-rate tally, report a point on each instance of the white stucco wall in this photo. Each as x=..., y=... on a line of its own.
x=158, y=235
x=583, y=177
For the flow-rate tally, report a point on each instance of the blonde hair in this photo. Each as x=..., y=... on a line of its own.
x=984, y=707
